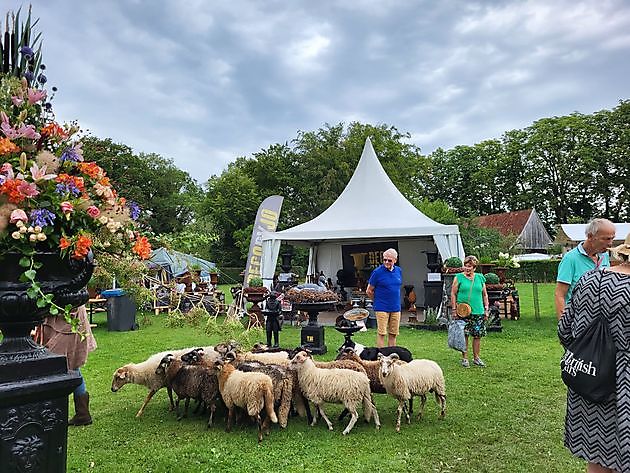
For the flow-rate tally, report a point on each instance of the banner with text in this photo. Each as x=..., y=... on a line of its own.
x=266, y=220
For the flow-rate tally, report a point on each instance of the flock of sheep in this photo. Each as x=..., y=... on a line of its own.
x=268, y=385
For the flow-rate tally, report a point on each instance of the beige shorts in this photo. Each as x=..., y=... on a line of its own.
x=387, y=322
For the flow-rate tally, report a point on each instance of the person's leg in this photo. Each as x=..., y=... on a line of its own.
x=81, y=404
x=393, y=328
x=382, y=319
x=476, y=347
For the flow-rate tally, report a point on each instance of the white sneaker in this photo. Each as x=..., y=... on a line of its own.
x=479, y=362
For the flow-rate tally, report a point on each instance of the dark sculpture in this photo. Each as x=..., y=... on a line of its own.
x=272, y=312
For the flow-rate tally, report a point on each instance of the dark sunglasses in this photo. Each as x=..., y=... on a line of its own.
x=387, y=260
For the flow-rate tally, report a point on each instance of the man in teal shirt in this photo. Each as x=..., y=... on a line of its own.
x=590, y=254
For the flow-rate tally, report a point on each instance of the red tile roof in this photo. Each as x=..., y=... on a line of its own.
x=506, y=223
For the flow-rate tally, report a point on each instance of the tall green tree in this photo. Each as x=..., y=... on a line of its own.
x=167, y=195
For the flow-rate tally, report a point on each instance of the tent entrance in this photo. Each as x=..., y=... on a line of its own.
x=359, y=260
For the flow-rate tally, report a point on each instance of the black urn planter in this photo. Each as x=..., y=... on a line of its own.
x=35, y=383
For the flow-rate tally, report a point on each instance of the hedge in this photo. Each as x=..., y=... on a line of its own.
x=538, y=271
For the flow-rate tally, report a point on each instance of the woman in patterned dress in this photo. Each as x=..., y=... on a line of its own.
x=600, y=433
x=470, y=287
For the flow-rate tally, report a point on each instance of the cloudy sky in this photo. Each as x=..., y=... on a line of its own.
x=205, y=81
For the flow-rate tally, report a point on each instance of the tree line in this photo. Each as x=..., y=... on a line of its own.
x=569, y=168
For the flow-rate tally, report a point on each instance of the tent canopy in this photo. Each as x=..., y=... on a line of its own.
x=369, y=208
x=177, y=263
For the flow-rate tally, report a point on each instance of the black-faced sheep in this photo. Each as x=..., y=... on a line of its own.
x=416, y=378
x=144, y=374
x=371, y=353
x=190, y=382
x=319, y=385
x=250, y=391
x=282, y=379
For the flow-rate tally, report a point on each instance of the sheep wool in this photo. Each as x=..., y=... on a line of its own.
x=416, y=378
x=144, y=374
x=336, y=385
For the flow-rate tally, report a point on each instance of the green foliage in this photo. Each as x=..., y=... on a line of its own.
x=483, y=242
x=453, y=262
x=19, y=34
x=437, y=210
x=129, y=274
x=431, y=316
x=256, y=282
x=492, y=278
x=193, y=318
x=167, y=195
x=539, y=271
x=196, y=239
x=225, y=330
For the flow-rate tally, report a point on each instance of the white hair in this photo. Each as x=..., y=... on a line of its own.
x=595, y=225
x=392, y=252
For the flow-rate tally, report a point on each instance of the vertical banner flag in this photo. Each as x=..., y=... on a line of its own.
x=266, y=220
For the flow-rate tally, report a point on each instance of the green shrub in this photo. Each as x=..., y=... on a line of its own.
x=539, y=271
x=256, y=282
x=492, y=278
x=453, y=262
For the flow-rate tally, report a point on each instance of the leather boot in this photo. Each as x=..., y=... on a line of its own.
x=82, y=410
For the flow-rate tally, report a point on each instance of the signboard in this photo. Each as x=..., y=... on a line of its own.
x=266, y=220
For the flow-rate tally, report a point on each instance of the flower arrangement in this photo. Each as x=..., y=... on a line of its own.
x=51, y=199
x=507, y=261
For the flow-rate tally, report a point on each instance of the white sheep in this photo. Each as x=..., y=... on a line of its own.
x=248, y=390
x=320, y=385
x=416, y=378
x=144, y=375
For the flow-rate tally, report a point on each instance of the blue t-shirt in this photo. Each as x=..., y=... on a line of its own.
x=386, y=288
x=575, y=263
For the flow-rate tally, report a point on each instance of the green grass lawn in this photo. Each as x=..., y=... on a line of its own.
x=507, y=417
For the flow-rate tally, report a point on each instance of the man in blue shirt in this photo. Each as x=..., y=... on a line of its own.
x=384, y=289
x=590, y=254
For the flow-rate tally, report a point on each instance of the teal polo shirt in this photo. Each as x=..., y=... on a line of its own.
x=575, y=263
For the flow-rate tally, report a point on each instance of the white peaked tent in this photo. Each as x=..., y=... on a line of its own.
x=369, y=210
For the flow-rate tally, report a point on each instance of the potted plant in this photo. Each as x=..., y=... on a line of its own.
x=431, y=321
x=493, y=282
x=453, y=265
x=503, y=263
x=57, y=211
x=214, y=276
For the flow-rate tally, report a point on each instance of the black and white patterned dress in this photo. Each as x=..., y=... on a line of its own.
x=600, y=433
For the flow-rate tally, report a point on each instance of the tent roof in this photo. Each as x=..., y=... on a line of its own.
x=575, y=231
x=177, y=263
x=369, y=207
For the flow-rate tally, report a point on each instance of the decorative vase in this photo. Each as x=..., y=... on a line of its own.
x=35, y=383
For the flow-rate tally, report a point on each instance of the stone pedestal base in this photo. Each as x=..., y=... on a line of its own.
x=312, y=337
x=34, y=414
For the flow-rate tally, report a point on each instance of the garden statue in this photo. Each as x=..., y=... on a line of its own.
x=272, y=313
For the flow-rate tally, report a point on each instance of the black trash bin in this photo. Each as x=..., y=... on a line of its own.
x=121, y=311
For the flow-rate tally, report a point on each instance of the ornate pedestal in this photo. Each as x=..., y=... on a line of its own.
x=312, y=335
x=255, y=296
x=34, y=383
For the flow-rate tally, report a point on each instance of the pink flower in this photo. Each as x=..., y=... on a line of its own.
x=17, y=101
x=67, y=207
x=28, y=131
x=39, y=174
x=93, y=211
x=28, y=189
x=7, y=170
x=18, y=215
x=35, y=95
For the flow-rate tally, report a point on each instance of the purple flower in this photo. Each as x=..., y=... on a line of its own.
x=26, y=52
x=71, y=154
x=42, y=217
x=28, y=75
x=134, y=210
x=66, y=188
x=42, y=79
